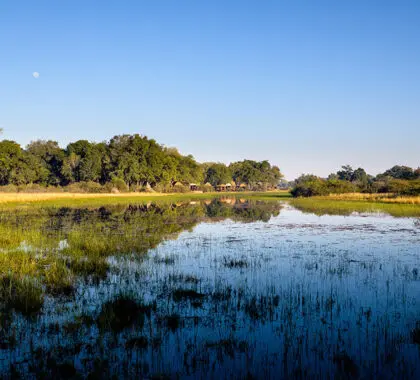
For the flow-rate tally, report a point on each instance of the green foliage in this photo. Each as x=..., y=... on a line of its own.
x=217, y=174
x=402, y=172
x=400, y=180
x=126, y=162
x=404, y=187
x=118, y=184
x=50, y=158
x=309, y=185
x=255, y=173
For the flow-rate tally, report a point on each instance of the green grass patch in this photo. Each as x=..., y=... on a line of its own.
x=336, y=207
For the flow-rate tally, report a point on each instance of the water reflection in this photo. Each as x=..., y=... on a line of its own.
x=162, y=290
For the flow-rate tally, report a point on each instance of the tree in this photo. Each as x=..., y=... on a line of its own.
x=217, y=174
x=51, y=156
x=346, y=174
x=400, y=172
x=83, y=162
x=132, y=159
x=10, y=154
x=254, y=172
x=308, y=185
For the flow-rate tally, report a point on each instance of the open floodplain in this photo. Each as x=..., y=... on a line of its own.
x=221, y=288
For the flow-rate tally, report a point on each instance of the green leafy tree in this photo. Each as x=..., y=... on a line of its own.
x=253, y=173
x=400, y=172
x=51, y=157
x=217, y=174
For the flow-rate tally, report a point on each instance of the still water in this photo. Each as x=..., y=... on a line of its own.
x=226, y=288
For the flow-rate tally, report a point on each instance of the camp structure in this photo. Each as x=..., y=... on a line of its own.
x=242, y=187
x=193, y=187
x=222, y=187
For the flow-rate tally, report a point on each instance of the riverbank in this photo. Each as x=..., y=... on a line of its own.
x=376, y=198
x=335, y=206
x=77, y=199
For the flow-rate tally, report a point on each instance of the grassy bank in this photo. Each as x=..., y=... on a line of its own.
x=377, y=198
x=336, y=206
x=80, y=199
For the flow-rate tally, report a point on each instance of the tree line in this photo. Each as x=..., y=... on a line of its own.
x=401, y=180
x=125, y=162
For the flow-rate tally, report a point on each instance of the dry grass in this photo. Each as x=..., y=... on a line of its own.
x=381, y=198
x=38, y=197
x=61, y=199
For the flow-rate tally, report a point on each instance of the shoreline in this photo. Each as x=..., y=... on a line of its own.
x=62, y=198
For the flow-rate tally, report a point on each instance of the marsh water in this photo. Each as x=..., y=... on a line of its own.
x=222, y=288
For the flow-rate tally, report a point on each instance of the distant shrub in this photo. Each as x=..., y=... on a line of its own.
x=119, y=184
x=336, y=186
x=9, y=189
x=308, y=186
x=206, y=188
x=137, y=188
x=85, y=187
x=30, y=188
x=404, y=187
x=397, y=186
x=180, y=188
x=164, y=188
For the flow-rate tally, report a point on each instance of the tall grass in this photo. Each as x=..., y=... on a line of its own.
x=336, y=206
x=381, y=198
x=74, y=200
x=46, y=250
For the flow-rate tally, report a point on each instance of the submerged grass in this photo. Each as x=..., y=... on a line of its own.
x=46, y=251
x=196, y=322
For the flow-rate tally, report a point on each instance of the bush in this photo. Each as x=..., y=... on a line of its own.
x=9, y=189
x=206, y=189
x=311, y=187
x=30, y=188
x=85, y=187
x=404, y=187
x=336, y=186
x=117, y=184
x=180, y=188
x=163, y=188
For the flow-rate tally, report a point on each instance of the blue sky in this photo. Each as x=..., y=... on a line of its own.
x=308, y=85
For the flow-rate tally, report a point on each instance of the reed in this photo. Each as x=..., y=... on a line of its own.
x=381, y=198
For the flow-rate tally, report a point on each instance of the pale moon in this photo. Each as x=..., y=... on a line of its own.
x=35, y=74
